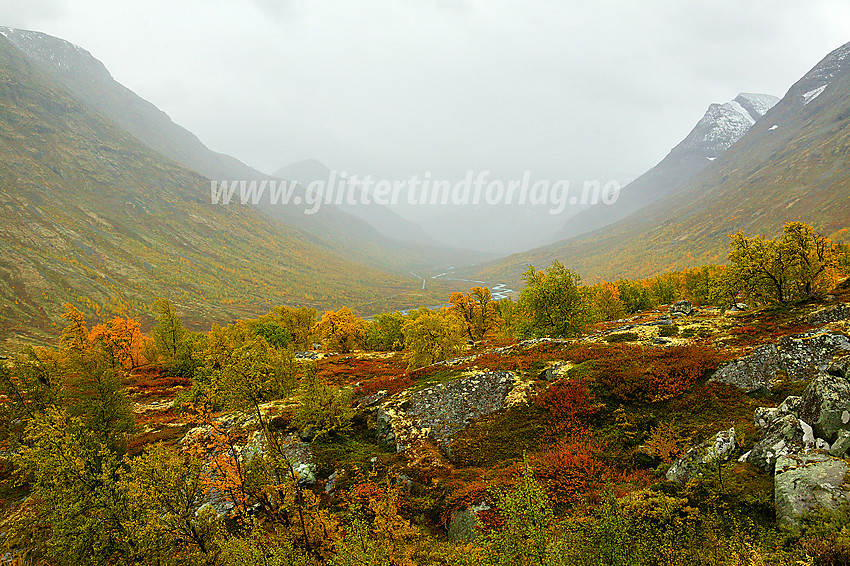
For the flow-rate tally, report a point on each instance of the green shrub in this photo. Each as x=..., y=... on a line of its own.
x=324, y=408
x=666, y=331
x=621, y=337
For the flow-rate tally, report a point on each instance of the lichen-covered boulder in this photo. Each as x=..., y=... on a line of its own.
x=795, y=358
x=439, y=412
x=720, y=448
x=840, y=367
x=826, y=405
x=803, y=482
x=765, y=416
x=805, y=354
x=783, y=436
x=753, y=371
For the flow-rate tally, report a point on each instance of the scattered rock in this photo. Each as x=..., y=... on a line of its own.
x=736, y=308
x=306, y=472
x=330, y=483
x=830, y=314
x=721, y=447
x=373, y=399
x=682, y=307
x=308, y=434
x=803, y=482
x=553, y=371
x=309, y=355
x=796, y=357
x=405, y=483
x=659, y=340
x=826, y=405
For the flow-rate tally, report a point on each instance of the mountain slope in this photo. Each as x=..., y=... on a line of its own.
x=88, y=80
x=91, y=216
x=719, y=129
x=791, y=165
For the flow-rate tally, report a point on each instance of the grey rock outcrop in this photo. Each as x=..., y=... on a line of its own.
x=802, y=443
x=804, y=482
x=796, y=357
x=721, y=447
x=841, y=445
x=840, y=367
x=441, y=411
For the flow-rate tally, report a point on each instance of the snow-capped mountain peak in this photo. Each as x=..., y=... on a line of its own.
x=724, y=124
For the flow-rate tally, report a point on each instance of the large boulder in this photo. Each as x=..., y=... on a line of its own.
x=465, y=524
x=439, y=412
x=803, y=482
x=795, y=358
x=840, y=367
x=783, y=436
x=841, y=445
x=826, y=405
x=682, y=307
x=695, y=459
x=805, y=354
x=765, y=416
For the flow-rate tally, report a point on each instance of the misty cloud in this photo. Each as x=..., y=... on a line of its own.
x=570, y=90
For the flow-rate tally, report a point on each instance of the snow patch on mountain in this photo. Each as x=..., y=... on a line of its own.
x=743, y=111
x=833, y=65
x=812, y=94
x=759, y=104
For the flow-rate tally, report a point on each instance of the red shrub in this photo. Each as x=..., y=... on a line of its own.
x=637, y=373
x=573, y=469
x=568, y=403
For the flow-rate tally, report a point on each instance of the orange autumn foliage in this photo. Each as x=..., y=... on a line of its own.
x=122, y=340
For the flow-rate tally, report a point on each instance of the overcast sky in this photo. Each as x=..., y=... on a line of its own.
x=567, y=89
